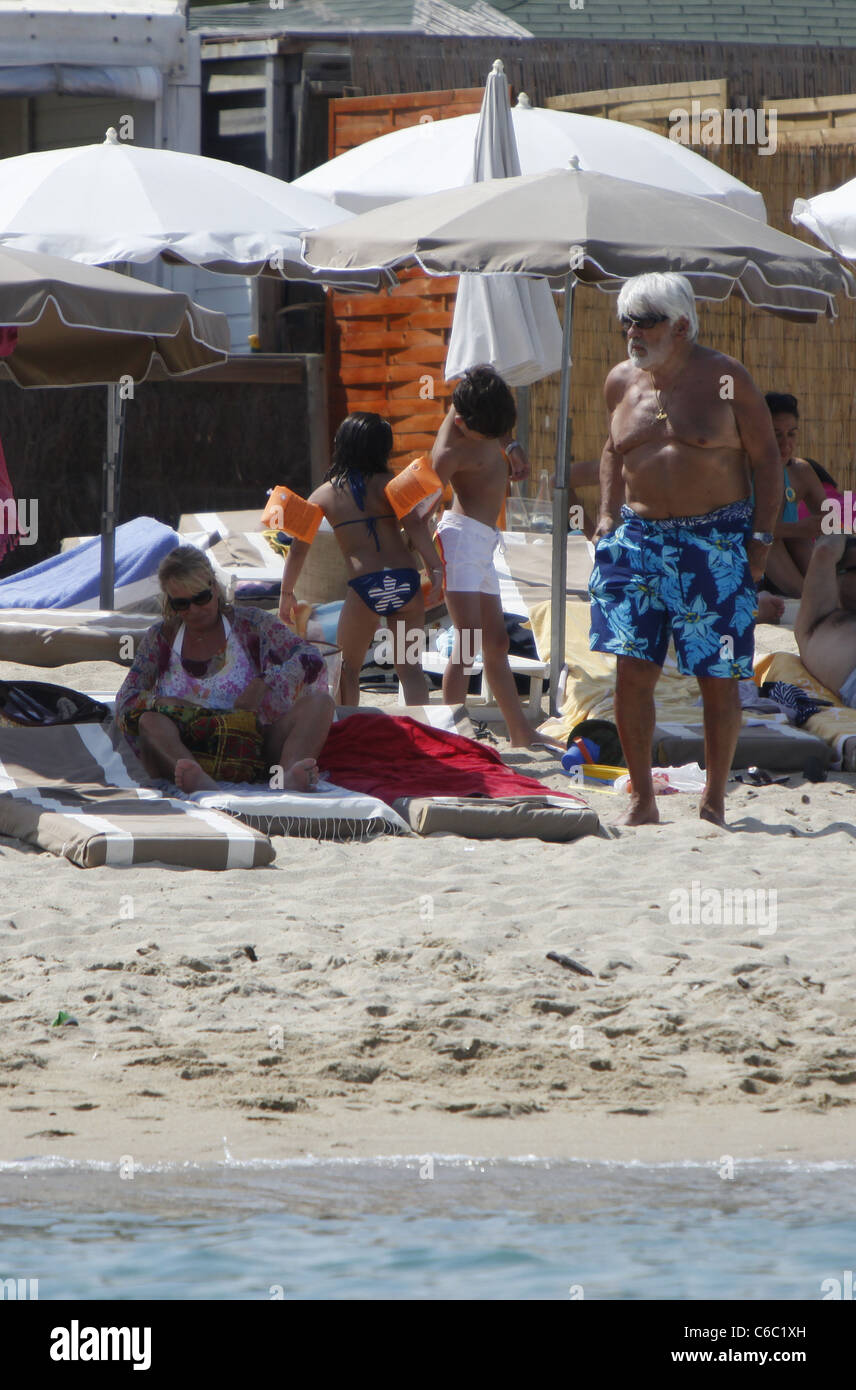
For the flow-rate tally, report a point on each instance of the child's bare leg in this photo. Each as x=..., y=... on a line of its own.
x=357, y=626
x=499, y=674
x=465, y=612
x=408, y=633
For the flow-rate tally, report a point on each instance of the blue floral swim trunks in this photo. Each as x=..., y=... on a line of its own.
x=686, y=577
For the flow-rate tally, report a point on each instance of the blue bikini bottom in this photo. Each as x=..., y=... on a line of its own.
x=386, y=590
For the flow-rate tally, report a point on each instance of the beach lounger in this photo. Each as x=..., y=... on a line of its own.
x=57, y=637
x=833, y=725
x=679, y=735
x=79, y=792
x=72, y=580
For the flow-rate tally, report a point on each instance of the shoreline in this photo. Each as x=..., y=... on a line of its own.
x=208, y=1137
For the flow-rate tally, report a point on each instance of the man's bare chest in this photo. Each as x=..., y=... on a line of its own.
x=692, y=413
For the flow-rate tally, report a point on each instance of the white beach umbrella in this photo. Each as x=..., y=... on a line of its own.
x=601, y=231
x=831, y=217
x=120, y=202
x=117, y=202
x=434, y=155
x=507, y=320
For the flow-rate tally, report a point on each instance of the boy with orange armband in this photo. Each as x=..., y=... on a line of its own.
x=473, y=451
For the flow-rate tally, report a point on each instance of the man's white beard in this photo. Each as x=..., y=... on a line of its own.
x=647, y=358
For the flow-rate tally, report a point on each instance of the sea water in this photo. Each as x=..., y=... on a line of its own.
x=429, y=1228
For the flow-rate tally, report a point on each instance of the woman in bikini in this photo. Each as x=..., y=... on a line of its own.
x=384, y=581
x=789, y=556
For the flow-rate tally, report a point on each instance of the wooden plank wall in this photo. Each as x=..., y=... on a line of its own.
x=386, y=352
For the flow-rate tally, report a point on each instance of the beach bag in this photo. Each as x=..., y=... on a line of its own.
x=29, y=704
x=602, y=736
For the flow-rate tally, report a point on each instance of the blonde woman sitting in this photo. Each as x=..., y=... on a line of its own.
x=217, y=694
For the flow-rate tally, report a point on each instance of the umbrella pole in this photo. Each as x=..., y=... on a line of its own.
x=111, y=484
x=561, y=483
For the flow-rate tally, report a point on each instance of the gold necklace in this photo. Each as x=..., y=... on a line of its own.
x=662, y=414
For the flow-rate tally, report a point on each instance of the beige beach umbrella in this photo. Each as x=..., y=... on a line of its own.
x=65, y=324
x=78, y=325
x=578, y=226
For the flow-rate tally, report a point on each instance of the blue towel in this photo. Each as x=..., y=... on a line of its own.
x=64, y=581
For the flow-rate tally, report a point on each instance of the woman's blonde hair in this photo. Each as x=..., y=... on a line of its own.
x=185, y=564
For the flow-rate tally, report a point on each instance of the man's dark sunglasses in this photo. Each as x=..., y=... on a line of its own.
x=641, y=321
x=180, y=605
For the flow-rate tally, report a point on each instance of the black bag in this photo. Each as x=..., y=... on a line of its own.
x=30, y=704
x=604, y=733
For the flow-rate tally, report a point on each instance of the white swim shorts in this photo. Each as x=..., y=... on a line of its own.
x=467, y=547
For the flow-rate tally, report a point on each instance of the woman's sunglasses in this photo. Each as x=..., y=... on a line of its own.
x=180, y=605
x=642, y=321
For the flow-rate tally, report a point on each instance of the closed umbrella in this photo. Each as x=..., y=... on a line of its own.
x=507, y=320
x=601, y=231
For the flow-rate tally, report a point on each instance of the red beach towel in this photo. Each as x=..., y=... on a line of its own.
x=389, y=756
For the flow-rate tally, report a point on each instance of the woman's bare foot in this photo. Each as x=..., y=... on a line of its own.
x=770, y=608
x=302, y=776
x=640, y=813
x=190, y=777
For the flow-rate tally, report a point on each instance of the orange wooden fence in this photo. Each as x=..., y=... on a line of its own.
x=386, y=352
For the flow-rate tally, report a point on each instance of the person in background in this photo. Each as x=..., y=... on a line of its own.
x=794, y=536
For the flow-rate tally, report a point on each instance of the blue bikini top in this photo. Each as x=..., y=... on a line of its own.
x=357, y=483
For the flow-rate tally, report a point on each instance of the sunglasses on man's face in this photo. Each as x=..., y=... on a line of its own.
x=181, y=605
x=643, y=321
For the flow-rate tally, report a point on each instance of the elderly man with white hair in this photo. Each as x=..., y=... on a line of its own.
x=682, y=537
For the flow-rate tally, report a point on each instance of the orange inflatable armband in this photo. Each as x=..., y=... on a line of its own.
x=415, y=488
x=287, y=512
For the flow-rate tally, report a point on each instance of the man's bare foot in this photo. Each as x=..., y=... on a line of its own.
x=190, y=777
x=302, y=776
x=640, y=813
x=713, y=812
x=770, y=607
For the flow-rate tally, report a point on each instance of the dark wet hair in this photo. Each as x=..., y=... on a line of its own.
x=485, y=403
x=363, y=444
x=781, y=403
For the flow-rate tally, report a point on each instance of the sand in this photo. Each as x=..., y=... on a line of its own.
x=395, y=997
